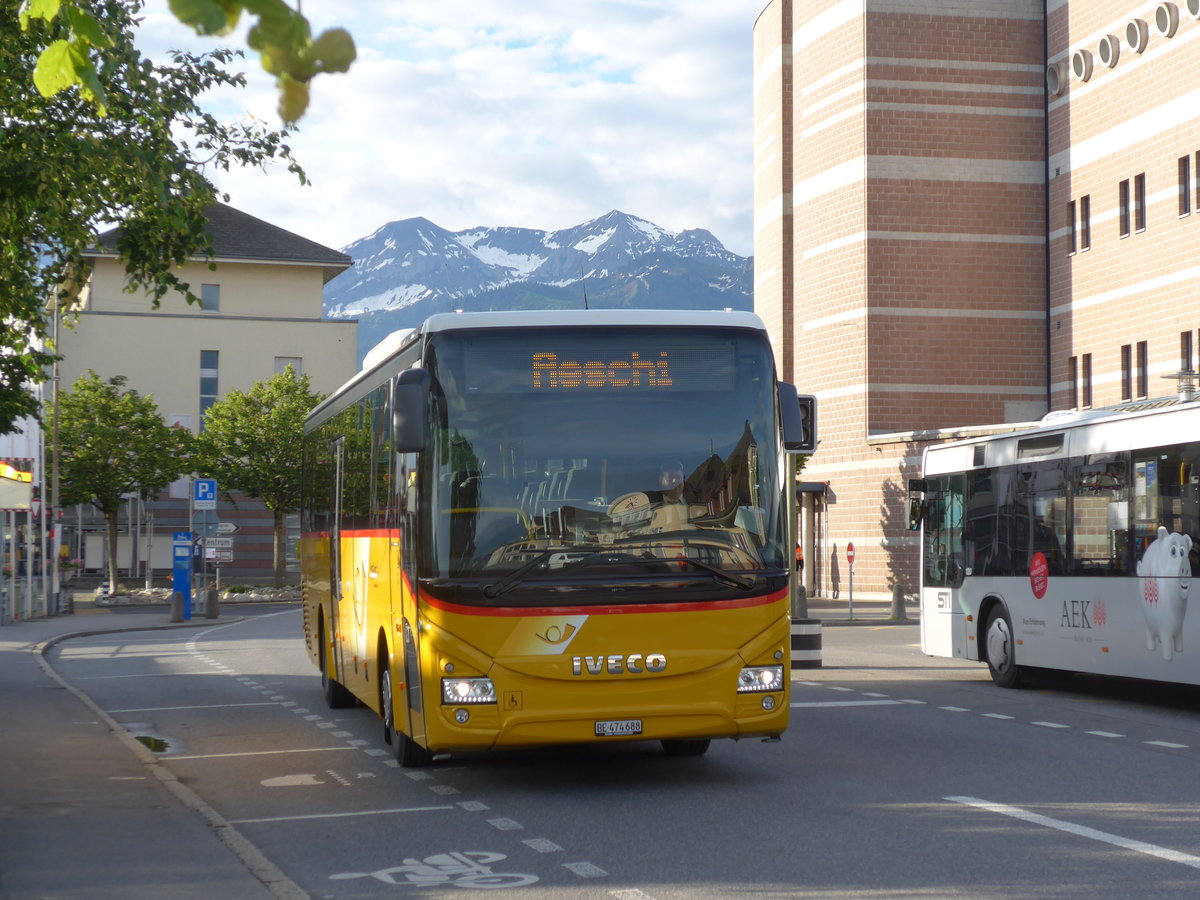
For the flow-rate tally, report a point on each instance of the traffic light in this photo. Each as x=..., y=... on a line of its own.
x=808, y=423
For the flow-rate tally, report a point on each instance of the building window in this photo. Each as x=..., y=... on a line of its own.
x=1086, y=378
x=1126, y=371
x=1071, y=228
x=296, y=362
x=1123, y=207
x=1143, y=370
x=1139, y=202
x=1185, y=185
x=1185, y=351
x=209, y=361
x=1085, y=222
x=210, y=297
x=1073, y=374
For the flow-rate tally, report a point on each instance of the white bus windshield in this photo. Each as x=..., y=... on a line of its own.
x=602, y=449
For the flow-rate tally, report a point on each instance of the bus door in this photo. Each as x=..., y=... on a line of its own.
x=338, y=450
x=942, y=565
x=410, y=711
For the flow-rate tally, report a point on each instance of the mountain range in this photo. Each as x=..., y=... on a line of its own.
x=410, y=269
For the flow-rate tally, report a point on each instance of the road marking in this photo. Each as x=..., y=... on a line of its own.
x=585, y=869
x=1166, y=744
x=1106, y=734
x=995, y=716
x=345, y=815
x=542, y=845
x=847, y=703
x=506, y=824
x=1080, y=830
x=173, y=708
x=262, y=753
x=1050, y=724
x=954, y=708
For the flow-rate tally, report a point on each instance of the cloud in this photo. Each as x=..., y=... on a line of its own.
x=533, y=113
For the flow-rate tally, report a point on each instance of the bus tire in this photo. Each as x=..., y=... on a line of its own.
x=336, y=695
x=692, y=747
x=408, y=752
x=1001, y=648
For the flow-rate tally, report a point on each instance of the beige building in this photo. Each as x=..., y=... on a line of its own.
x=262, y=311
x=966, y=214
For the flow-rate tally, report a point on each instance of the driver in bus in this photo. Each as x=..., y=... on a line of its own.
x=671, y=509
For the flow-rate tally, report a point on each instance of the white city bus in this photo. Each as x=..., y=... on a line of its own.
x=1066, y=546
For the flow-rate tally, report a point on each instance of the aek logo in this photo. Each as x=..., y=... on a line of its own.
x=1085, y=614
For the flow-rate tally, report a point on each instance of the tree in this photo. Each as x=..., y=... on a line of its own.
x=113, y=443
x=70, y=168
x=252, y=443
x=281, y=36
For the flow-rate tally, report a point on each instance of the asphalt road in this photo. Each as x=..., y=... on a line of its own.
x=901, y=776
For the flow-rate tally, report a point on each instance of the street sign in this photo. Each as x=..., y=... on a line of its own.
x=204, y=493
x=850, y=553
x=226, y=527
x=219, y=555
x=206, y=526
x=219, y=543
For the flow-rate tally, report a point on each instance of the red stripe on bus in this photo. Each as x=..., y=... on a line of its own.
x=605, y=610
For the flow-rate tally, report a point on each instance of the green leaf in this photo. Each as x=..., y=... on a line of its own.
x=38, y=9
x=205, y=16
x=86, y=28
x=334, y=50
x=55, y=69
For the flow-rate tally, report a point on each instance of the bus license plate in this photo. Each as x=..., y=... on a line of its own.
x=617, y=727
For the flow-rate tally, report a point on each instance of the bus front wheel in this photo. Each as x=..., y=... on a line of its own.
x=408, y=752
x=1001, y=648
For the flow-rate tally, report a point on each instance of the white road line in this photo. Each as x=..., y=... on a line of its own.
x=345, y=815
x=1166, y=744
x=174, y=708
x=1080, y=830
x=954, y=708
x=1050, y=724
x=1106, y=734
x=259, y=753
x=996, y=716
x=847, y=703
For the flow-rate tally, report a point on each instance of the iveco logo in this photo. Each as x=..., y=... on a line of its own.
x=634, y=663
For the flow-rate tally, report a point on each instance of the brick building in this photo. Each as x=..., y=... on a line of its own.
x=966, y=214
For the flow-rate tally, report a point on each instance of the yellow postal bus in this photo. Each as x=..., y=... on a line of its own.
x=526, y=529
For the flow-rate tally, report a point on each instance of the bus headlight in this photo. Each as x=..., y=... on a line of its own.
x=459, y=691
x=760, y=679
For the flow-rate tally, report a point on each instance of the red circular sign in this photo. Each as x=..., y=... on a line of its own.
x=849, y=553
x=1039, y=571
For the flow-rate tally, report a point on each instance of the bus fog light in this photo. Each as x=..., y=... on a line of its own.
x=461, y=716
x=468, y=690
x=768, y=702
x=760, y=679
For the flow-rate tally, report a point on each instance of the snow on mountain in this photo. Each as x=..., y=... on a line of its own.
x=409, y=269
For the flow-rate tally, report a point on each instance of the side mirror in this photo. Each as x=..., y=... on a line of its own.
x=410, y=405
x=798, y=414
x=916, y=512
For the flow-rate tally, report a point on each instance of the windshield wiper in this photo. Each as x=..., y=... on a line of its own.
x=492, y=591
x=718, y=573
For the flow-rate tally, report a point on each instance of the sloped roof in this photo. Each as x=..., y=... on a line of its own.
x=238, y=235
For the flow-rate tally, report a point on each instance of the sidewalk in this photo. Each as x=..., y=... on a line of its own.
x=830, y=611
x=88, y=812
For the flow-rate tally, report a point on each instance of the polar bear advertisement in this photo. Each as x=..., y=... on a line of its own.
x=1164, y=573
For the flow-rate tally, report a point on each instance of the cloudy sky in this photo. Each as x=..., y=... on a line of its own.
x=535, y=113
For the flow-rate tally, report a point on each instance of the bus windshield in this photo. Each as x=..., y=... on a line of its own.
x=605, y=451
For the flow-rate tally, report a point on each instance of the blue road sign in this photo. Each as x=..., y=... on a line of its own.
x=204, y=493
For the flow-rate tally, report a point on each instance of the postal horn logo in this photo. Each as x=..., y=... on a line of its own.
x=557, y=634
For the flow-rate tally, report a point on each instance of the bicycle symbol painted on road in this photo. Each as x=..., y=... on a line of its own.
x=470, y=869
